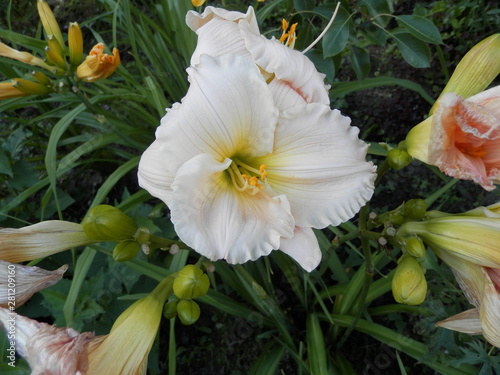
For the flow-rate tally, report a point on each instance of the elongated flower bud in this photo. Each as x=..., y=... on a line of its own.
x=191, y=282
x=40, y=78
x=55, y=53
x=75, y=43
x=8, y=91
x=30, y=87
x=49, y=22
x=409, y=285
x=108, y=223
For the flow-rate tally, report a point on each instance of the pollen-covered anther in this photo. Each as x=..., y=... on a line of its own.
x=246, y=178
x=288, y=37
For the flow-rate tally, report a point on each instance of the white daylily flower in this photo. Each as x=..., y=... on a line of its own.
x=221, y=32
x=242, y=178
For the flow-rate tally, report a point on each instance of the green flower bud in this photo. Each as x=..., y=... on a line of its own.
x=190, y=282
x=415, y=209
x=170, y=309
x=415, y=247
x=409, y=285
x=108, y=223
x=396, y=217
x=125, y=250
x=398, y=158
x=188, y=311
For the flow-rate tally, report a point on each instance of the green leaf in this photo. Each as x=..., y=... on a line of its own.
x=378, y=7
x=343, y=88
x=337, y=36
x=316, y=347
x=420, y=28
x=374, y=33
x=360, y=62
x=414, y=51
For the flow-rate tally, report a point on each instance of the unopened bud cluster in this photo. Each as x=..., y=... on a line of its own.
x=190, y=283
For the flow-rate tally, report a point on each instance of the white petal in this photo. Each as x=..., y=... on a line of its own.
x=220, y=223
x=466, y=322
x=218, y=32
x=288, y=65
x=156, y=172
x=319, y=163
x=303, y=247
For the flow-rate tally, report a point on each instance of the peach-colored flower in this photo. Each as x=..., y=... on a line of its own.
x=98, y=65
x=462, y=136
x=466, y=137
x=18, y=283
x=8, y=91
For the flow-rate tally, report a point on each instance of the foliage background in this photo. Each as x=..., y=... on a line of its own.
x=59, y=157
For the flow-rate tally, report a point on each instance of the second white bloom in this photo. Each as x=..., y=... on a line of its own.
x=242, y=178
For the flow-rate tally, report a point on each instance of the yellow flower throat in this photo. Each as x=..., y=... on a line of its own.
x=244, y=177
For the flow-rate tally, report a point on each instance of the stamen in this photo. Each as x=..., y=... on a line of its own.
x=324, y=31
x=244, y=177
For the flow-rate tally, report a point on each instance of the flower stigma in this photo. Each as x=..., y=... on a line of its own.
x=244, y=177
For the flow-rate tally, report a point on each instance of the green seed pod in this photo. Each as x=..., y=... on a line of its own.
x=125, y=250
x=409, y=285
x=415, y=247
x=108, y=223
x=188, y=311
x=415, y=209
x=398, y=158
x=191, y=282
x=170, y=309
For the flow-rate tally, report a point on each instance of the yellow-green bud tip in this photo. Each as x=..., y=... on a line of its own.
x=125, y=250
x=191, y=282
x=409, y=285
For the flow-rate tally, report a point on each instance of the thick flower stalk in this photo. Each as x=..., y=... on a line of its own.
x=40, y=240
x=254, y=158
x=470, y=244
x=64, y=351
x=18, y=283
x=462, y=137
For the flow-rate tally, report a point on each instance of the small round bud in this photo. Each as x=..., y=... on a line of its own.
x=409, y=285
x=125, y=250
x=190, y=282
x=415, y=209
x=108, y=223
x=415, y=247
x=188, y=311
x=398, y=158
x=170, y=309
